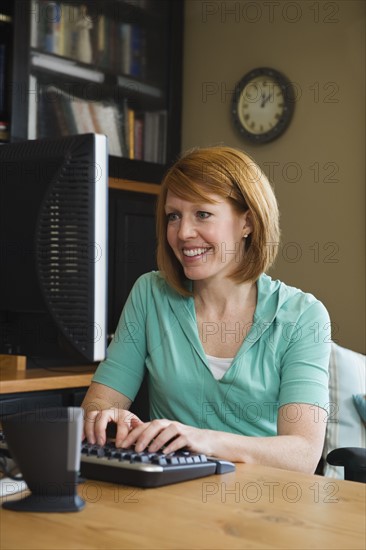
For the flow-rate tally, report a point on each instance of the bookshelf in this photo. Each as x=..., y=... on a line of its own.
x=111, y=67
x=5, y=68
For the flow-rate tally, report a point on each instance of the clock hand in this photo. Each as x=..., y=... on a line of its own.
x=265, y=99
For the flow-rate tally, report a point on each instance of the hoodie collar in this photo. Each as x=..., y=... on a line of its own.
x=269, y=297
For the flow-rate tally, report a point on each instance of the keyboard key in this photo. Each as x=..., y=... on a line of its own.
x=159, y=459
x=145, y=458
x=98, y=451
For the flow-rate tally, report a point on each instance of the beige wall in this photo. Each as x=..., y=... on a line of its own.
x=317, y=167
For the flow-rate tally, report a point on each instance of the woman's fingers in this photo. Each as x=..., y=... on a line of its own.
x=125, y=424
x=96, y=422
x=135, y=433
x=167, y=434
x=153, y=434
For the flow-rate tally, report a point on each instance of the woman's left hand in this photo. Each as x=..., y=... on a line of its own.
x=170, y=434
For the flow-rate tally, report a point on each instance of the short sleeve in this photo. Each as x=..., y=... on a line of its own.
x=124, y=368
x=304, y=365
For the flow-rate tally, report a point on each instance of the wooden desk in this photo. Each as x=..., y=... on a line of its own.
x=255, y=507
x=14, y=381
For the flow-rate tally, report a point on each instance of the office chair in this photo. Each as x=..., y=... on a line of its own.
x=353, y=459
x=345, y=438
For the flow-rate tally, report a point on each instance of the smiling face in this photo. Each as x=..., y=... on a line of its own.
x=206, y=237
x=240, y=186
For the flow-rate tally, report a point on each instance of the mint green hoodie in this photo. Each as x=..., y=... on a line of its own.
x=283, y=359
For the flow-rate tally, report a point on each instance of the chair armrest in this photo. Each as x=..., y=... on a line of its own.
x=354, y=461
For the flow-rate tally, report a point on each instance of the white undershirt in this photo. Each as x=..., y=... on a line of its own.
x=219, y=365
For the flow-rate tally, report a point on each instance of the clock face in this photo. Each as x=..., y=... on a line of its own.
x=262, y=105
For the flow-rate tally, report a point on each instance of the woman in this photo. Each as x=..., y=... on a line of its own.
x=235, y=368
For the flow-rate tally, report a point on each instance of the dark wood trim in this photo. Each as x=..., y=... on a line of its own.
x=135, y=186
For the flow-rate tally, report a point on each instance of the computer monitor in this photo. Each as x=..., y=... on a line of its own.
x=53, y=250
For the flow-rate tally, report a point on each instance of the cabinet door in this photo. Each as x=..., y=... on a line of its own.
x=132, y=246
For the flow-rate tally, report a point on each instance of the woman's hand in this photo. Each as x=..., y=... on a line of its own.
x=170, y=434
x=96, y=421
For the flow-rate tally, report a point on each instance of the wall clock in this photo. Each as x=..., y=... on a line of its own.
x=262, y=105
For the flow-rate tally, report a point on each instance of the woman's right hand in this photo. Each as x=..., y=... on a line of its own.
x=96, y=421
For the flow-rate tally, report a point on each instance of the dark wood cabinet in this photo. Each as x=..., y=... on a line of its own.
x=132, y=246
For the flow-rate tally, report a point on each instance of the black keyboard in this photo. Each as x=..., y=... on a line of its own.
x=143, y=469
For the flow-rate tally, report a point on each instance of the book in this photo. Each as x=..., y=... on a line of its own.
x=125, y=47
x=155, y=136
x=50, y=15
x=82, y=116
x=138, y=137
x=106, y=117
x=131, y=133
x=2, y=79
